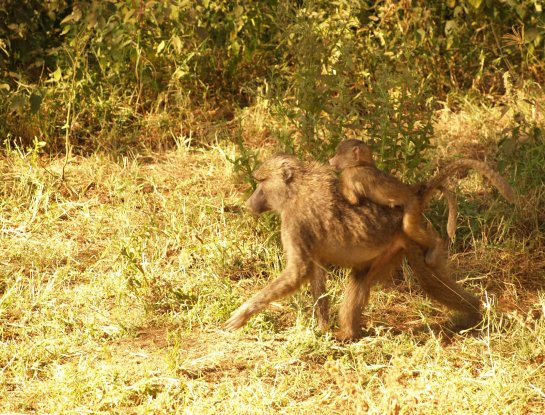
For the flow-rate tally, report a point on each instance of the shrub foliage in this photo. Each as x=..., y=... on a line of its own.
x=122, y=74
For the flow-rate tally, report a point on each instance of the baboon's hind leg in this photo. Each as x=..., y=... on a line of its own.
x=358, y=289
x=414, y=228
x=356, y=294
x=439, y=286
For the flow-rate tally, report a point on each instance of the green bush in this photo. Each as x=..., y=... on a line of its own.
x=121, y=74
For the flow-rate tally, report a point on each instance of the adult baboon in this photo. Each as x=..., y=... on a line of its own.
x=319, y=228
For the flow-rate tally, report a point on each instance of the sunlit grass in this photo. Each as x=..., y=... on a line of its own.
x=115, y=283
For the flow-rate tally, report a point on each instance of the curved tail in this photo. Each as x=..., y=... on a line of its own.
x=427, y=189
x=463, y=166
x=452, y=210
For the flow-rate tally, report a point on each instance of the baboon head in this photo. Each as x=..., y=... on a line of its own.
x=351, y=153
x=274, y=179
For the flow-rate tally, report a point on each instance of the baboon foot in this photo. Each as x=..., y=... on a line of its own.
x=323, y=326
x=238, y=318
x=322, y=321
x=344, y=335
x=465, y=322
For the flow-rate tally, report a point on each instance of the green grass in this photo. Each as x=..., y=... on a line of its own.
x=115, y=283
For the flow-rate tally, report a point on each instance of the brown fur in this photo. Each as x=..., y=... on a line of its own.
x=319, y=228
x=452, y=210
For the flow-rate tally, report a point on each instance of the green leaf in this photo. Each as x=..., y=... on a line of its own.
x=475, y=3
x=18, y=103
x=521, y=10
x=75, y=16
x=176, y=43
x=508, y=146
x=531, y=34
x=239, y=10
x=235, y=48
x=161, y=47
x=35, y=102
x=130, y=16
x=450, y=26
x=57, y=75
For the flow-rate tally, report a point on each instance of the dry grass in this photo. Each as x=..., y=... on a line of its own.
x=114, y=285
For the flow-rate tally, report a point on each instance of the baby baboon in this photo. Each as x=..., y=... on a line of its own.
x=360, y=178
x=319, y=228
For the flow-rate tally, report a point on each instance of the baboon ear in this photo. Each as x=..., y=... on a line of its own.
x=287, y=173
x=357, y=153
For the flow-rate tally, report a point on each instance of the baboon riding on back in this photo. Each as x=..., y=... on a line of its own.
x=320, y=228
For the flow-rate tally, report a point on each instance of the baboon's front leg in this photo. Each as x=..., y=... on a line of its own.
x=321, y=302
x=289, y=281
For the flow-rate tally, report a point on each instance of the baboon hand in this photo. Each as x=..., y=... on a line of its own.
x=238, y=318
